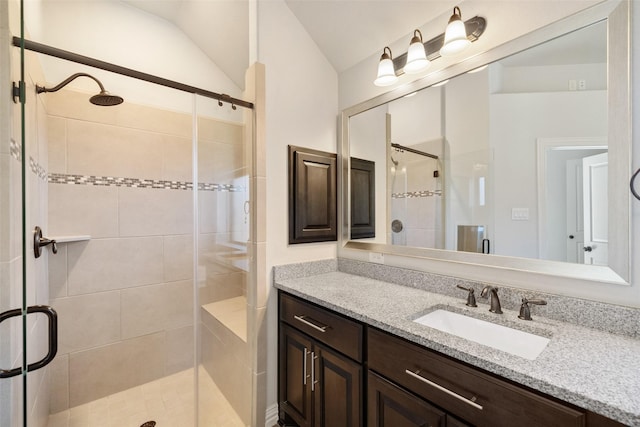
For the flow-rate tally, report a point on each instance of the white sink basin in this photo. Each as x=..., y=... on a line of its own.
x=500, y=337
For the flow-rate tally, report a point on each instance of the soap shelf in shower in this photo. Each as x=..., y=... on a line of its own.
x=69, y=239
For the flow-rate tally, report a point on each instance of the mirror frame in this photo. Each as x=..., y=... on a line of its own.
x=554, y=277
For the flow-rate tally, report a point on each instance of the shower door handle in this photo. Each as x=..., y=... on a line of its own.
x=52, y=316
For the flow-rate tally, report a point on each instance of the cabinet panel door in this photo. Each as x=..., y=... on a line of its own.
x=294, y=391
x=390, y=406
x=338, y=391
x=312, y=196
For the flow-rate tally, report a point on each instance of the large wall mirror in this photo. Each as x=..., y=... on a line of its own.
x=520, y=160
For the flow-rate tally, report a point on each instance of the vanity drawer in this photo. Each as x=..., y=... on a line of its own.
x=465, y=392
x=327, y=327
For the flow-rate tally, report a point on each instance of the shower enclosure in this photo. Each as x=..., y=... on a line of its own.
x=146, y=211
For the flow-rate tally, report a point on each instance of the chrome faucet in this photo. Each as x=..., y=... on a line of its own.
x=525, y=311
x=491, y=292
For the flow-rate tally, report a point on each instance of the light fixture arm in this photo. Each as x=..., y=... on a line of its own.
x=41, y=89
x=456, y=14
x=475, y=27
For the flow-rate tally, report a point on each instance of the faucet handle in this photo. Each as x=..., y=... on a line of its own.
x=471, y=298
x=525, y=311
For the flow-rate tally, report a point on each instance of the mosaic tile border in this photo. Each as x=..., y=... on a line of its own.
x=111, y=181
x=15, y=148
x=414, y=194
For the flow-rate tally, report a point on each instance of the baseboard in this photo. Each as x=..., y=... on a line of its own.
x=271, y=416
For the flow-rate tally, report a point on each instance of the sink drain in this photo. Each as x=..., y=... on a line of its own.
x=149, y=424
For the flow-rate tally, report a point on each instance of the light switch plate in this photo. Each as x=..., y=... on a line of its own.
x=520, y=214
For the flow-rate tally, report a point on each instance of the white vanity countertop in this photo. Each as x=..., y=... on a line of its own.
x=595, y=370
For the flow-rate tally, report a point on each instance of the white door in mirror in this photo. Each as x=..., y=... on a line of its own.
x=596, y=214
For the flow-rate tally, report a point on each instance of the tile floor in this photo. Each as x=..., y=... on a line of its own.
x=168, y=401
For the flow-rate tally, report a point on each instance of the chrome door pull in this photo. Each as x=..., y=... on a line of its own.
x=39, y=242
x=321, y=328
x=445, y=390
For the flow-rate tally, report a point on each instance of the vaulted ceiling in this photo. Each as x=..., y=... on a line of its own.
x=345, y=31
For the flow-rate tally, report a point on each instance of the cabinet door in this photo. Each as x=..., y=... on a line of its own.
x=337, y=389
x=294, y=385
x=390, y=406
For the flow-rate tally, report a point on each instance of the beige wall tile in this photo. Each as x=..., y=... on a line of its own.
x=178, y=257
x=87, y=321
x=76, y=105
x=58, y=273
x=107, y=264
x=5, y=207
x=104, y=150
x=177, y=158
x=59, y=371
x=213, y=215
x=218, y=162
x=219, y=131
x=106, y=370
x=227, y=366
x=57, y=135
x=179, y=349
x=154, y=212
x=148, y=309
x=83, y=209
x=260, y=207
x=154, y=120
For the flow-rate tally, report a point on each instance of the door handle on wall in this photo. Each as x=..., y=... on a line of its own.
x=52, y=316
x=39, y=242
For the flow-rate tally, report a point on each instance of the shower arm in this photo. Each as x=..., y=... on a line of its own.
x=41, y=89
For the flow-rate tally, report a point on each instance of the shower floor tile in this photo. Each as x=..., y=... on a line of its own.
x=168, y=401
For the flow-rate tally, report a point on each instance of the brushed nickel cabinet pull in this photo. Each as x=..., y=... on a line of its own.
x=313, y=371
x=304, y=366
x=445, y=390
x=322, y=328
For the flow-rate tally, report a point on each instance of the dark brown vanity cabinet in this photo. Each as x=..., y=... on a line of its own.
x=469, y=394
x=320, y=367
x=326, y=378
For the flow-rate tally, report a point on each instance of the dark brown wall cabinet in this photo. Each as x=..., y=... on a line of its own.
x=322, y=362
x=363, y=199
x=312, y=196
x=319, y=384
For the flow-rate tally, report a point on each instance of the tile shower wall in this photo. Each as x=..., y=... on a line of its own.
x=125, y=298
x=11, y=259
x=417, y=198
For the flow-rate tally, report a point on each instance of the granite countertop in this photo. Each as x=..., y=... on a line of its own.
x=591, y=369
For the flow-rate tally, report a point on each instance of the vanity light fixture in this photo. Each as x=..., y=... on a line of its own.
x=455, y=36
x=386, y=71
x=458, y=35
x=416, y=56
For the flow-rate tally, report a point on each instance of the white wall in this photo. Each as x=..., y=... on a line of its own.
x=517, y=120
x=121, y=34
x=368, y=132
x=505, y=21
x=301, y=109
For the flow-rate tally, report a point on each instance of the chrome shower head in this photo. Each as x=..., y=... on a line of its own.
x=104, y=98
